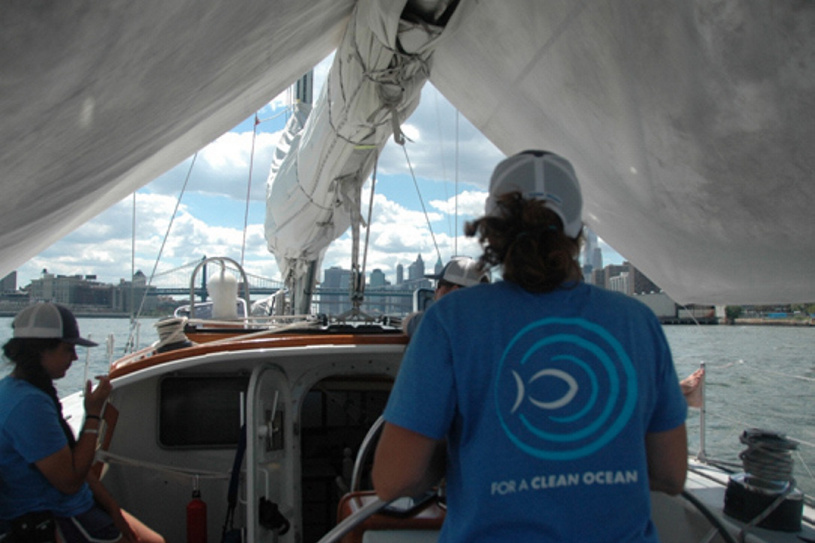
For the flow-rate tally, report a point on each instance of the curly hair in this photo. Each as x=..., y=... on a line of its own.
x=25, y=354
x=527, y=240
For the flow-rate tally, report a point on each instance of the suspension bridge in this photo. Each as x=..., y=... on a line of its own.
x=176, y=282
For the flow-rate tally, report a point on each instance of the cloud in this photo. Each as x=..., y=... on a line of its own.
x=469, y=204
x=222, y=167
x=445, y=146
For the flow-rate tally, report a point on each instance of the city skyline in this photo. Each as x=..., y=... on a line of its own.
x=591, y=257
x=333, y=294
x=417, y=270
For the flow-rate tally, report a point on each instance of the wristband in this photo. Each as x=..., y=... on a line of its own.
x=97, y=417
x=90, y=431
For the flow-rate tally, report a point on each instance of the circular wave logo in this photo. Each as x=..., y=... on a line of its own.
x=564, y=389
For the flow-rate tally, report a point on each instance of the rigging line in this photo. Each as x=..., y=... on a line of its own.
x=749, y=425
x=161, y=249
x=730, y=419
x=691, y=315
x=442, y=154
x=782, y=374
x=759, y=372
x=178, y=268
x=370, y=212
x=421, y=201
x=455, y=232
x=284, y=111
x=133, y=260
x=249, y=187
x=804, y=464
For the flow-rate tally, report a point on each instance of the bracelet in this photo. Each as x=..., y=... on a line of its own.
x=90, y=431
x=97, y=417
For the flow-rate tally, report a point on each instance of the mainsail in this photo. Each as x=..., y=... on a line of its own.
x=316, y=179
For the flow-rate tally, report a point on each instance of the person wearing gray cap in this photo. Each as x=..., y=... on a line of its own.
x=551, y=407
x=46, y=483
x=460, y=272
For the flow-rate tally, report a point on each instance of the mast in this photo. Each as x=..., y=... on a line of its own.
x=302, y=287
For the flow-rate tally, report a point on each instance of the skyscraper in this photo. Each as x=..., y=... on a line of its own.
x=591, y=256
x=335, y=279
x=439, y=267
x=416, y=269
x=377, y=278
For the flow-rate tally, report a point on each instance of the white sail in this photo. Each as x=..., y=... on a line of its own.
x=689, y=123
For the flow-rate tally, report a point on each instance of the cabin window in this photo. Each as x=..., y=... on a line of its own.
x=200, y=411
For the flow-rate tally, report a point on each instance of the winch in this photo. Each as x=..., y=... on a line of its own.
x=764, y=495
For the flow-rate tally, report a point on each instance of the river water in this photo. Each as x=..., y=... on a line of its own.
x=757, y=377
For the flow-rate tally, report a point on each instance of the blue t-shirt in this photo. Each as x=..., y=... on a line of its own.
x=545, y=400
x=30, y=431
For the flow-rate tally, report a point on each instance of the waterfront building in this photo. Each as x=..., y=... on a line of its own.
x=71, y=290
x=84, y=294
x=131, y=296
x=381, y=297
x=9, y=283
x=336, y=286
x=619, y=283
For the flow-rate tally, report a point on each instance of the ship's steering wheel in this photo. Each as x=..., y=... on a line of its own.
x=366, y=448
x=402, y=507
x=364, y=453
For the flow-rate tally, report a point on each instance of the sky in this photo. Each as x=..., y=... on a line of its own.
x=450, y=159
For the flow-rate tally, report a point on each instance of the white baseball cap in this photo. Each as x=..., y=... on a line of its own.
x=540, y=175
x=462, y=271
x=48, y=320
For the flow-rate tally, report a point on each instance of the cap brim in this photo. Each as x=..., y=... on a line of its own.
x=81, y=341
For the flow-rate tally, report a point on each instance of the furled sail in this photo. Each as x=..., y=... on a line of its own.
x=313, y=190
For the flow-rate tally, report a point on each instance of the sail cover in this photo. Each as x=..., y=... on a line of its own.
x=373, y=86
x=689, y=123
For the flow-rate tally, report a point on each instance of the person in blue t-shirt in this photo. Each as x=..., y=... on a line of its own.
x=551, y=407
x=46, y=483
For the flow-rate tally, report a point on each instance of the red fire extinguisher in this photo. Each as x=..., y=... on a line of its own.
x=196, y=517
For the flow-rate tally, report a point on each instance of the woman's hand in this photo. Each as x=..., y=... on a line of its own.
x=95, y=399
x=128, y=535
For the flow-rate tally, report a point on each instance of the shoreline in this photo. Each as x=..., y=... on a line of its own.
x=707, y=321
x=800, y=323
x=774, y=322
x=84, y=315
